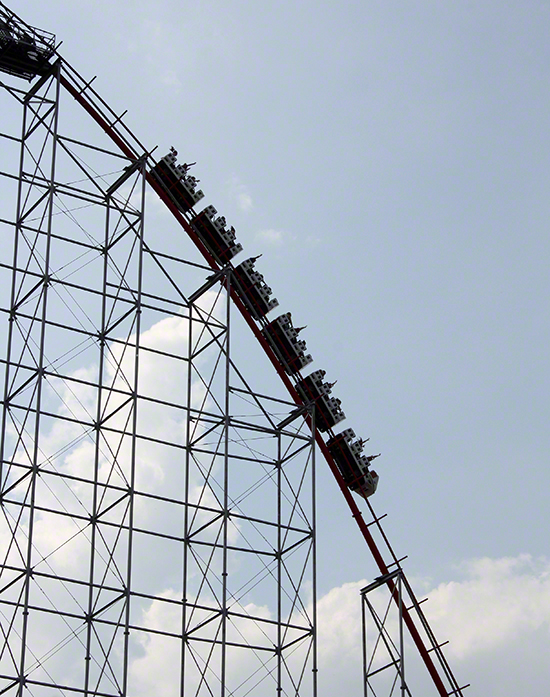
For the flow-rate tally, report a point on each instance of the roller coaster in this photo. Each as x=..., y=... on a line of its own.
x=27, y=53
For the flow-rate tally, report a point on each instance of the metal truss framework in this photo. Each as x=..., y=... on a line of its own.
x=384, y=651
x=385, y=637
x=171, y=493
x=153, y=506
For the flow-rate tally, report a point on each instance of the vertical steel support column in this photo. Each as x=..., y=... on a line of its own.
x=401, y=636
x=292, y=497
x=226, y=500
x=42, y=258
x=102, y=340
x=279, y=554
x=364, y=644
x=315, y=668
x=133, y=455
x=186, y=492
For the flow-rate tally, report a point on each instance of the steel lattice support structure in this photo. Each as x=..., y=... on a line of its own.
x=156, y=511
x=384, y=639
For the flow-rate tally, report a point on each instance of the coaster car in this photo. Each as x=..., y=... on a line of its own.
x=213, y=233
x=327, y=409
x=250, y=286
x=353, y=465
x=283, y=339
x=181, y=186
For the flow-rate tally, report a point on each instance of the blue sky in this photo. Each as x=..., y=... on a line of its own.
x=390, y=161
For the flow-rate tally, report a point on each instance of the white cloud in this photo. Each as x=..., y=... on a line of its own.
x=245, y=201
x=499, y=601
x=241, y=194
x=338, y=614
x=272, y=237
x=154, y=671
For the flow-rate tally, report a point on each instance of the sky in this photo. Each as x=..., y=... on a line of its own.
x=389, y=160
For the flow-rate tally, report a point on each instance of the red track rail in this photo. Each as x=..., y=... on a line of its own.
x=130, y=146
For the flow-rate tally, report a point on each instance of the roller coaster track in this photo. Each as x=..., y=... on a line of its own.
x=386, y=560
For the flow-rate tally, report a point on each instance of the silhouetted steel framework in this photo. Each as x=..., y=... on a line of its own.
x=142, y=530
x=384, y=653
x=384, y=636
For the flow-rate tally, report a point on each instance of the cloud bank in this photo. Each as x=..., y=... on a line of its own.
x=496, y=617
